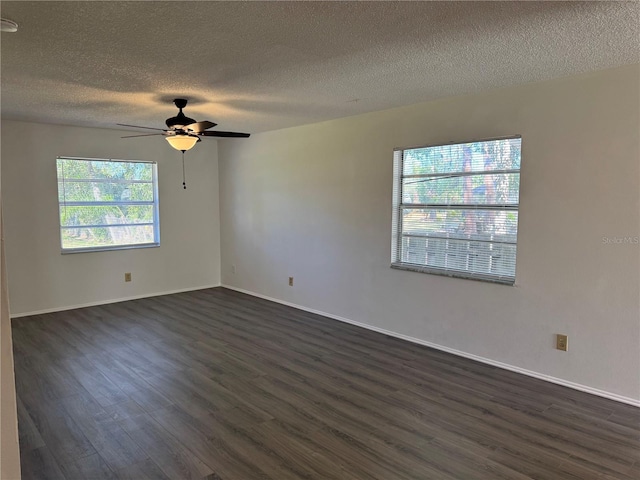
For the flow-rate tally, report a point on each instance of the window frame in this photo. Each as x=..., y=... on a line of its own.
x=155, y=203
x=398, y=206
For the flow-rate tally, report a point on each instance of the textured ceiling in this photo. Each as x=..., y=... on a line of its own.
x=257, y=66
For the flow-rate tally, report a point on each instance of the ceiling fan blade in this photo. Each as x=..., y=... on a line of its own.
x=218, y=133
x=143, y=135
x=138, y=126
x=198, y=127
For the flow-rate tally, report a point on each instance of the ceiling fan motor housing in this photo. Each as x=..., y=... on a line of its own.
x=180, y=120
x=183, y=126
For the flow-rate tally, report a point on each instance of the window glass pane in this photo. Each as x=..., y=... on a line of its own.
x=463, y=157
x=94, y=225
x=76, y=191
x=449, y=189
x=106, y=236
x=104, y=170
x=456, y=208
x=105, y=214
x=497, y=225
x=460, y=255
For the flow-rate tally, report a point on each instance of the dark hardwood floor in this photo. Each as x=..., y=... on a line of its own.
x=215, y=385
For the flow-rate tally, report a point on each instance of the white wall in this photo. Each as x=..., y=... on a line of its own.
x=40, y=278
x=314, y=202
x=9, y=443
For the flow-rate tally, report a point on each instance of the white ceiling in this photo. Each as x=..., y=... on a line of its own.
x=257, y=66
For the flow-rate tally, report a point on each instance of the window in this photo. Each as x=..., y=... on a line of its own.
x=455, y=209
x=107, y=204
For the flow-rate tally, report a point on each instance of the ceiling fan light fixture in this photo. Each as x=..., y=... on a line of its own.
x=182, y=142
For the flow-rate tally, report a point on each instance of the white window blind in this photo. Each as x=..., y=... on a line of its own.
x=107, y=204
x=455, y=209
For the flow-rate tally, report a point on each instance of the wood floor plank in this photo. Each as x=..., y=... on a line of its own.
x=299, y=453
x=41, y=378
x=340, y=409
x=198, y=436
x=94, y=382
x=218, y=385
x=40, y=464
x=129, y=381
x=175, y=460
x=510, y=426
x=89, y=467
x=144, y=470
x=62, y=436
x=251, y=449
x=108, y=438
x=28, y=435
x=360, y=419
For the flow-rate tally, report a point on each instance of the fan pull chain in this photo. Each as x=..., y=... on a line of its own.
x=184, y=184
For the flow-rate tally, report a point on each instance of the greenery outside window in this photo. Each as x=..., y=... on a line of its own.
x=455, y=209
x=107, y=204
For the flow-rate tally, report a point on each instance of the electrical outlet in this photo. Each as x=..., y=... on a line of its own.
x=127, y=277
x=562, y=342
x=233, y=268
x=291, y=281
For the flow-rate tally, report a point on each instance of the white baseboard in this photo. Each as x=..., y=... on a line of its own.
x=477, y=358
x=113, y=300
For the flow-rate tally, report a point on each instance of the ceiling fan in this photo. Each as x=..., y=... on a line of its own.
x=183, y=132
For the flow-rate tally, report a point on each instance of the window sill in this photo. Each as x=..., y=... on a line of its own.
x=455, y=274
x=68, y=251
